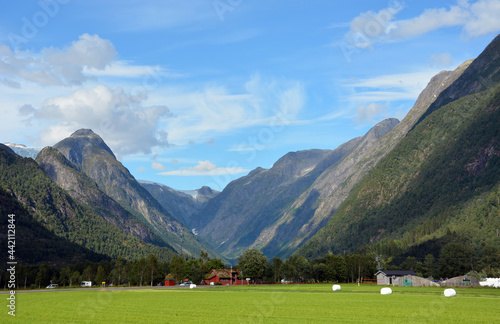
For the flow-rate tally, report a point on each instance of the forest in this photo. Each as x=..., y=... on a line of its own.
x=455, y=259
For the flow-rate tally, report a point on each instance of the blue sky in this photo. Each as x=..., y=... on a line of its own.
x=194, y=93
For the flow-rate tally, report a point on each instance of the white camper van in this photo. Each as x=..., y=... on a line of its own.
x=86, y=284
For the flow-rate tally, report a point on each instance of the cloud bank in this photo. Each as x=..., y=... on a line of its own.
x=475, y=18
x=121, y=118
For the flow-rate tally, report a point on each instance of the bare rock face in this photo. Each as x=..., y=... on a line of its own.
x=85, y=190
x=90, y=155
x=183, y=206
x=334, y=185
x=248, y=213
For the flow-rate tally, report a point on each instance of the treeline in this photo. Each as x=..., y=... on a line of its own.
x=455, y=259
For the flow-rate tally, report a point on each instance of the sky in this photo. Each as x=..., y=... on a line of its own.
x=199, y=93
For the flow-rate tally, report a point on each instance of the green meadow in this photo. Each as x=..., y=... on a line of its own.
x=258, y=304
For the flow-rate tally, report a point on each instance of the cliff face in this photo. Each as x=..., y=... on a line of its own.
x=86, y=191
x=334, y=185
x=184, y=207
x=90, y=155
x=433, y=166
x=248, y=212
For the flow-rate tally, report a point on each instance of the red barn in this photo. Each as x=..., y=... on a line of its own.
x=224, y=276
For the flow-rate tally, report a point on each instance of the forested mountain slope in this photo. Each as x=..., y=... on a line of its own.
x=441, y=181
x=41, y=203
x=428, y=174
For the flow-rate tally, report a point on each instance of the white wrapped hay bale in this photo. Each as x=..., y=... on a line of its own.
x=335, y=287
x=192, y=286
x=386, y=291
x=450, y=292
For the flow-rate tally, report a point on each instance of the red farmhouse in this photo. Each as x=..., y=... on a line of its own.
x=224, y=276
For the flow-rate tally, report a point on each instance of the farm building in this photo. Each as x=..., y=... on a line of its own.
x=224, y=276
x=461, y=281
x=390, y=277
x=169, y=282
x=414, y=281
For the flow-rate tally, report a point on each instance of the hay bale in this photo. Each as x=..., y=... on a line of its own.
x=335, y=287
x=386, y=291
x=192, y=286
x=450, y=292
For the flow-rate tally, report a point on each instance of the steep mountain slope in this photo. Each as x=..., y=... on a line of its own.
x=86, y=191
x=241, y=216
x=444, y=177
x=26, y=187
x=406, y=171
x=182, y=206
x=35, y=243
x=90, y=155
x=482, y=74
x=334, y=185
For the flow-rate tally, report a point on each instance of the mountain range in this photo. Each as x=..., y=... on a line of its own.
x=404, y=187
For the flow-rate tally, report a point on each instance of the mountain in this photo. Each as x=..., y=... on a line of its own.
x=85, y=190
x=440, y=182
x=482, y=74
x=248, y=211
x=57, y=227
x=183, y=206
x=89, y=154
x=39, y=245
x=334, y=185
x=22, y=150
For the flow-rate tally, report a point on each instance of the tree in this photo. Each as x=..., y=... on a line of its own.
x=88, y=273
x=215, y=264
x=411, y=263
x=177, y=267
x=336, y=267
x=75, y=278
x=253, y=263
x=277, y=265
x=117, y=272
x=101, y=275
x=137, y=272
x=43, y=275
x=193, y=270
x=456, y=259
x=153, y=266
x=430, y=265
x=64, y=276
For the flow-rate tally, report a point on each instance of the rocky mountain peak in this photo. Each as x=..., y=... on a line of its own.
x=80, y=143
x=84, y=132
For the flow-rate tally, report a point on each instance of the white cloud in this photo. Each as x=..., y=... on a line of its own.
x=476, y=19
x=369, y=113
x=53, y=66
x=122, y=120
x=203, y=115
x=157, y=166
x=443, y=59
x=485, y=18
x=86, y=59
x=204, y=168
x=391, y=87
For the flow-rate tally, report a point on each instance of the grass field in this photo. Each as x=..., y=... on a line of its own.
x=258, y=304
